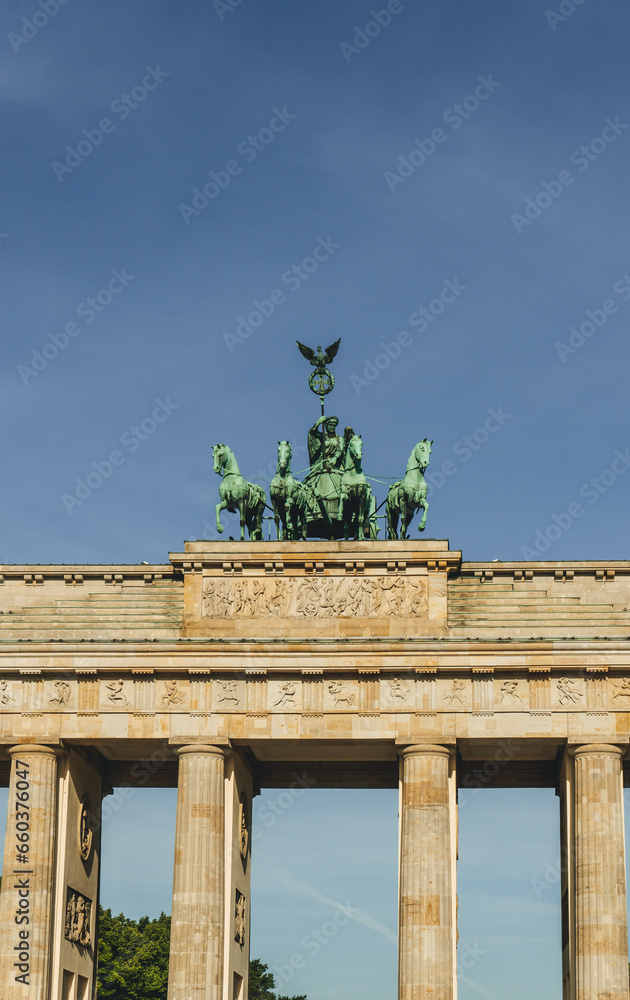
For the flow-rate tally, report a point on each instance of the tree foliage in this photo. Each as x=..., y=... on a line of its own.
x=133, y=957
x=262, y=983
x=133, y=961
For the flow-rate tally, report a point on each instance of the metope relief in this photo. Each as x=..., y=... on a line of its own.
x=621, y=690
x=396, y=692
x=7, y=696
x=510, y=694
x=570, y=691
x=316, y=597
x=455, y=693
x=114, y=694
x=60, y=693
x=342, y=695
x=174, y=696
x=284, y=696
x=228, y=695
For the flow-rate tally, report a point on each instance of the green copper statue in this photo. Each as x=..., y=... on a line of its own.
x=409, y=493
x=237, y=494
x=356, y=502
x=321, y=381
x=335, y=500
x=288, y=498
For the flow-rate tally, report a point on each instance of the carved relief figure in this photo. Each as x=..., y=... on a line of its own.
x=78, y=919
x=229, y=692
x=116, y=694
x=85, y=832
x=62, y=697
x=419, y=599
x=244, y=827
x=173, y=694
x=276, y=599
x=5, y=697
x=568, y=693
x=622, y=688
x=308, y=598
x=340, y=694
x=455, y=694
x=509, y=693
x=396, y=689
x=287, y=696
x=239, y=919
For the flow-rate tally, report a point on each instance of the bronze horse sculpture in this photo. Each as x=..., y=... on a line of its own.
x=410, y=493
x=288, y=499
x=238, y=495
x=356, y=502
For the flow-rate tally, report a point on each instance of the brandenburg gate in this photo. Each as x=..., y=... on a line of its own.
x=354, y=661
x=362, y=664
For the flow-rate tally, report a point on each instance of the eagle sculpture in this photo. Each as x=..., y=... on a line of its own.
x=319, y=360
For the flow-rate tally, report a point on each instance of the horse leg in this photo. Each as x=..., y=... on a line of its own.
x=219, y=507
x=404, y=520
x=242, y=506
x=392, y=522
x=423, y=521
x=361, y=507
x=288, y=533
x=276, y=517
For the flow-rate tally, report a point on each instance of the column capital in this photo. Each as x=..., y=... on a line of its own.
x=203, y=749
x=597, y=750
x=425, y=750
x=23, y=748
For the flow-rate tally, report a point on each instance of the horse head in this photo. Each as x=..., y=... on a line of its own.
x=355, y=447
x=284, y=456
x=223, y=458
x=422, y=453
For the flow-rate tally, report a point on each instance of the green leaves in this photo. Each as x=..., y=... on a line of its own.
x=133, y=957
x=133, y=961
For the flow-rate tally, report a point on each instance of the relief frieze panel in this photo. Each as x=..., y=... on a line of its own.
x=10, y=696
x=396, y=693
x=316, y=597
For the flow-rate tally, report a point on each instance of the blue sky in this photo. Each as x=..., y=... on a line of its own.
x=312, y=126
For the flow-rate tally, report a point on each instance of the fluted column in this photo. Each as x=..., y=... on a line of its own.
x=425, y=959
x=27, y=899
x=196, y=964
x=600, y=875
